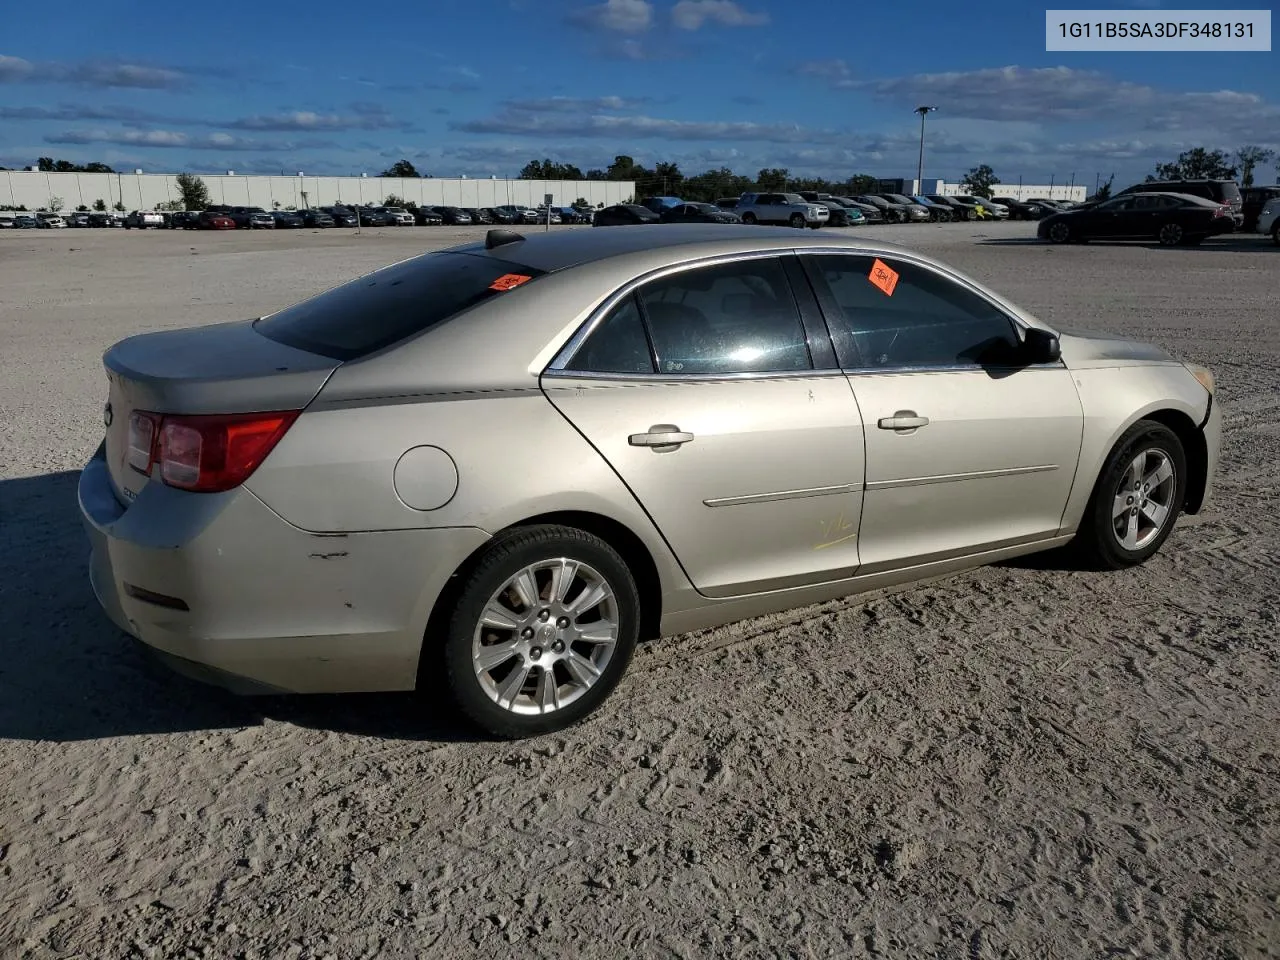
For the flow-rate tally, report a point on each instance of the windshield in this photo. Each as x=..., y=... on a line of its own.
x=388, y=305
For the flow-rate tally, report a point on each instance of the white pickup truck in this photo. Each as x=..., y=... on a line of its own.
x=788, y=208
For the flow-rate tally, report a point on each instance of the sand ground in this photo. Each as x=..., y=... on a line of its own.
x=1020, y=762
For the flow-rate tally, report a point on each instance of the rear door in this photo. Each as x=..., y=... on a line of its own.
x=967, y=448
x=714, y=395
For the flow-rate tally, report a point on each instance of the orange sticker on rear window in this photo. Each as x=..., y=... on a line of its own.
x=884, y=277
x=509, y=281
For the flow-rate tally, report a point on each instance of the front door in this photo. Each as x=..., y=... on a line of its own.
x=701, y=391
x=967, y=448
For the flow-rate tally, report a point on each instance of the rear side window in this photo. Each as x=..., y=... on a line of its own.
x=391, y=304
x=1230, y=192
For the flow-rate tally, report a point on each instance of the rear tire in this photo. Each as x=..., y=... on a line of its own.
x=558, y=670
x=1144, y=479
x=1171, y=234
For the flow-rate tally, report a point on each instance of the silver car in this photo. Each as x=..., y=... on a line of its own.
x=503, y=464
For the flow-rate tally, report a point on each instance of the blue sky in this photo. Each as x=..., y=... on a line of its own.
x=819, y=87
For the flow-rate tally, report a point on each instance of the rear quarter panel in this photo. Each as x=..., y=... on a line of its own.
x=515, y=457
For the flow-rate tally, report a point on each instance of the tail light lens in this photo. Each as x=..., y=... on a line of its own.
x=204, y=454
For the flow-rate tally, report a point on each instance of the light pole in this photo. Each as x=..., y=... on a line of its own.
x=924, y=112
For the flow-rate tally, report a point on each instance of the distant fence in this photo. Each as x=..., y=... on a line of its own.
x=144, y=191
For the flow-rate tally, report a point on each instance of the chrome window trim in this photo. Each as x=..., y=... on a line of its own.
x=575, y=342
x=670, y=378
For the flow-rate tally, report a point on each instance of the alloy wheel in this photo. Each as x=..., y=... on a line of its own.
x=1171, y=234
x=1143, y=500
x=1059, y=233
x=546, y=636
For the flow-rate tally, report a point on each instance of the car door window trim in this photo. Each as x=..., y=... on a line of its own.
x=578, y=340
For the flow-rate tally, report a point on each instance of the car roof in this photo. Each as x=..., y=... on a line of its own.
x=559, y=251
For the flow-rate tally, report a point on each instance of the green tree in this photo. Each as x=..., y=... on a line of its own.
x=100, y=205
x=1249, y=157
x=1104, y=191
x=96, y=167
x=582, y=203
x=671, y=177
x=980, y=180
x=195, y=193
x=55, y=204
x=50, y=165
x=391, y=200
x=773, y=178
x=401, y=168
x=82, y=209
x=625, y=168
x=118, y=206
x=549, y=170
x=1196, y=164
x=860, y=183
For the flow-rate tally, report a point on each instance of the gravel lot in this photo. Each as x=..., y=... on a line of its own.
x=1021, y=762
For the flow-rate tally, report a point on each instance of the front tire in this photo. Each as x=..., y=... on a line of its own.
x=749, y=218
x=1136, y=500
x=1059, y=232
x=797, y=221
x=545, y=625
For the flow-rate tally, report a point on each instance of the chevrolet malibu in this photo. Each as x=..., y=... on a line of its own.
x=501, y=465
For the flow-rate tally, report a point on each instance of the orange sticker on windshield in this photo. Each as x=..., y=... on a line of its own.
x=884, y=277
x=509, y=281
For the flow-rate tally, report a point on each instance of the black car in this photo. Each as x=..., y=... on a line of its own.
x=698, y=213
x=454, y=216
x=892, y=212
x=624, y=215
x=184, y=220
x=317, y=218
x=838, y=209
x=288, y=220
x=1253, y=200
x=376, y=217
x=477, y=215
x=501, y=214
x=342, y=216
x=1219, y=191
x=1025, y=209
x=727, y=203
x=1171, y=218
x=427, y=217
x=959, y=209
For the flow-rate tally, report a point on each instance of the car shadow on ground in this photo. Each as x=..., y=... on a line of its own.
x=67, y=673
x=1246, y=243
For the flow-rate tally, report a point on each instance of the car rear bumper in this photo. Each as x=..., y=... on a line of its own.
x=228, y=592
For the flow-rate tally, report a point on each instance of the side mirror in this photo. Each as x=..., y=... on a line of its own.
x=1041, y=346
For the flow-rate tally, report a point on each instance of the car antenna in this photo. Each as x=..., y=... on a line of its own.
x=500, y=238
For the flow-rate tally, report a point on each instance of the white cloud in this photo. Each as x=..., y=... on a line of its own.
x=616, y=16
x=692, y=14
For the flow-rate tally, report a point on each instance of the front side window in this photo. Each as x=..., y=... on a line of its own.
x=892, y=314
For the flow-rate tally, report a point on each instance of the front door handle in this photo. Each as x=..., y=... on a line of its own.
x=903, y=420
x=661, y=436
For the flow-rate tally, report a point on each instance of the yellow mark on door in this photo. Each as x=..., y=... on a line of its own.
x=835, y=532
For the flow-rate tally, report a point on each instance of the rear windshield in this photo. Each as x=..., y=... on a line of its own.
x=1229, y=190
x=384, y=307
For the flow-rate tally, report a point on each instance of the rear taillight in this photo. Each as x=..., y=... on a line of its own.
x=1223, y=211
x=204, y=454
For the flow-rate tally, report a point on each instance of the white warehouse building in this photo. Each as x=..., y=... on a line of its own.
x=36, y=190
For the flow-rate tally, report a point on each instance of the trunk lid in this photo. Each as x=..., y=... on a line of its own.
x=223, y=368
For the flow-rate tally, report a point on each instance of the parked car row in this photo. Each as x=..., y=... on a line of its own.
x=223, y=217
x=815, y=210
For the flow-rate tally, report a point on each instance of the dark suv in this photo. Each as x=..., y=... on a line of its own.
x=1219, y=191
x=1255, y=198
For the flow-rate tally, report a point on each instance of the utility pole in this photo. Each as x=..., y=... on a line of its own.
x=924, y=112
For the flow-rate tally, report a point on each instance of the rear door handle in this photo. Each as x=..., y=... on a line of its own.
x=660, y=435
x=903, y=420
